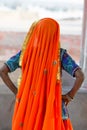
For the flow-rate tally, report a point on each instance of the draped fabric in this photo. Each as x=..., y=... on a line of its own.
x=26, y=41
x=38, y=101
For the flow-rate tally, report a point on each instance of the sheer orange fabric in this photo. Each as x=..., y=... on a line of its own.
x=38, y=102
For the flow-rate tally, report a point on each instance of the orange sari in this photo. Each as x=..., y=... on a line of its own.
x=38, y=102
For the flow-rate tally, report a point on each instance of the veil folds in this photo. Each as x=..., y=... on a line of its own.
x=38, y=102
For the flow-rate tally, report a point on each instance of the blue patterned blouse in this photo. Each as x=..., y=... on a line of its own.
x=68, y=64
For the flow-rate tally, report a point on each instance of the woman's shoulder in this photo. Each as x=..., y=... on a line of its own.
x=13, y=62
x=68, y=63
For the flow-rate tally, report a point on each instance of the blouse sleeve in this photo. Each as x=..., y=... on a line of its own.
x=68, y=64
x=13, y=62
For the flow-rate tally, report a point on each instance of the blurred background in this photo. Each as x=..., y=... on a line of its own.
x=16, y=16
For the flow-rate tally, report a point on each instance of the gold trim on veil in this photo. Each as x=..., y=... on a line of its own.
x=26, y=41
x=24, y=47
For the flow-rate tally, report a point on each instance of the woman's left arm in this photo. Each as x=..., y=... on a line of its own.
x=70, y=66
x=77, y=84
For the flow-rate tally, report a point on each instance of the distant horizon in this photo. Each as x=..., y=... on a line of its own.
x=47, y=3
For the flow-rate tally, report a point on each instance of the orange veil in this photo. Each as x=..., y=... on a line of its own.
x=38, y=102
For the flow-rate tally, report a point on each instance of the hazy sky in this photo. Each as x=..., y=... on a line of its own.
x=69, y=1
x=76, y=2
